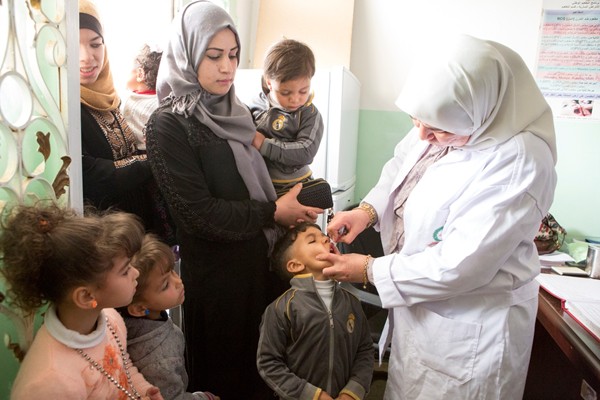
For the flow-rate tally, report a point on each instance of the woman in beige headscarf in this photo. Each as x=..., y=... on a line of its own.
x=115, y=173
x=458, y=207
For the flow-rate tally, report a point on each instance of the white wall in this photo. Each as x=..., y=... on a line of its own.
x=329, y=32
x=127, y=25
x=386, y=33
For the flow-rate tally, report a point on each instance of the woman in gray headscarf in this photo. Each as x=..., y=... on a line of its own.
x=199, y=144
x=458, y=207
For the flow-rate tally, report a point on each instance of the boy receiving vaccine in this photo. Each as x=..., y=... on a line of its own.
x=315, y=341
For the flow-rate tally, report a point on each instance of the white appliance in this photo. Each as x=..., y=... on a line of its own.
x=337, y=97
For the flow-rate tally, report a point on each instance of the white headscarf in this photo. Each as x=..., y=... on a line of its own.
x=194, y=28
x=478, y=88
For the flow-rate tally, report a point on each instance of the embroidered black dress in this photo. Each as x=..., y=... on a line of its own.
x=117, y=175
x=224, y=263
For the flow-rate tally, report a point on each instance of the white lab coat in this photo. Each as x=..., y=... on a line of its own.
x=462, y=293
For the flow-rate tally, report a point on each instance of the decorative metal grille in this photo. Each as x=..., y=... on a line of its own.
x=34, y=156
x=34, y=140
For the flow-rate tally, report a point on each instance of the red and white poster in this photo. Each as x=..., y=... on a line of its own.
x=568, y=62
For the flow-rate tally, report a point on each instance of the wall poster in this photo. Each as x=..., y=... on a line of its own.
x=568, y=62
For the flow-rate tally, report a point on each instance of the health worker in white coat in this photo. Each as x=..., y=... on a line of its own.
x=458, y=207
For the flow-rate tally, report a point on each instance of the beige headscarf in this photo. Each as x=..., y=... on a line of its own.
x=100, y=95
x=478, y=88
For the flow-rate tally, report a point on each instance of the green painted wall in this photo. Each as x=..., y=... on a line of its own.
x=9, y=363
x=378, y=134
x=576, y=201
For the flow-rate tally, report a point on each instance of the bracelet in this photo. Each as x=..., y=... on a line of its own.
x=365, y=278
x=370, y=211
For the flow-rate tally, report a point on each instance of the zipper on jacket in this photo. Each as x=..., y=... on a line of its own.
x=331, y=347
x=331, y=334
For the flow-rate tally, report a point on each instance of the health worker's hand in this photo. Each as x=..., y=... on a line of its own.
x=345, y=267
x=347, y=225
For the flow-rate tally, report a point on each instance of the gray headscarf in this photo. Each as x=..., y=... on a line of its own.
x=478, y=88
x=194, y=28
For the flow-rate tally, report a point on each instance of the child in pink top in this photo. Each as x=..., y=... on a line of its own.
x=80, y=267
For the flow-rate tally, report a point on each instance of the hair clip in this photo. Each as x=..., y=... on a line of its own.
x=44, y=225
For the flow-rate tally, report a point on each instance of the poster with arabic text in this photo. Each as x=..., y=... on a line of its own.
x=568, y=62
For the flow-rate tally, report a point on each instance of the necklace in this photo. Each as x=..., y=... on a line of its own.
x=100, y=368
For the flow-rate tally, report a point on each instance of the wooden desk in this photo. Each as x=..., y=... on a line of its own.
x=564, y=356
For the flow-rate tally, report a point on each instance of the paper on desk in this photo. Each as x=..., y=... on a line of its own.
x=587, y=314
x=569, y=287
x=556, y=256
x=580, y=298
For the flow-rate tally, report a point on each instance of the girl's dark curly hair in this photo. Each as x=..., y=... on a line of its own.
x=46, y=251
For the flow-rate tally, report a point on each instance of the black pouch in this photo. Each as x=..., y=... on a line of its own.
x=314, y=193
